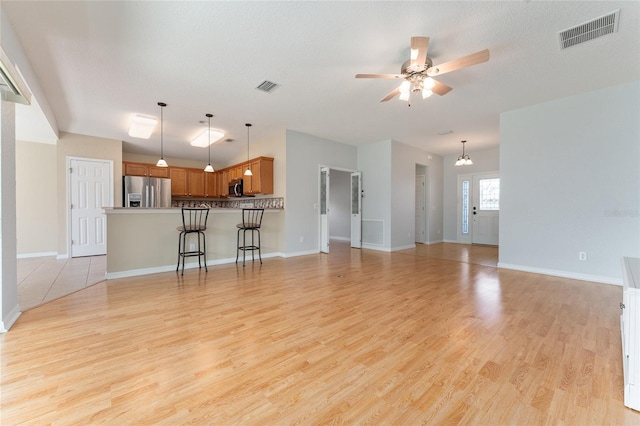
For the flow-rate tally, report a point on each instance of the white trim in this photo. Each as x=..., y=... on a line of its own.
x=62, y=256
x=30, y=255
x=434, y=242
x=172, y=268
x=562, y=274
x=299, y=253
x=333, y=237
x=375, y=247
x=12, y=317
x=408, y=246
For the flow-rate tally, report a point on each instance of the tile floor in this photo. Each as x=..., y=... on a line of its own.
x=43, y=279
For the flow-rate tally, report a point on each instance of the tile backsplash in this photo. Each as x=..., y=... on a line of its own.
x=260, y=203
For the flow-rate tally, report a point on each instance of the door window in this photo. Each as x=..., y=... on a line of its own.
x=489, y=194
x=465, y=207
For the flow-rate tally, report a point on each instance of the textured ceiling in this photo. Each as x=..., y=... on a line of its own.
x=100, y=62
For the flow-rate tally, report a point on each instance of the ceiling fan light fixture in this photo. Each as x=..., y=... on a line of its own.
x=464, y=159
x=142, y=126
x=426, y=93
x=404, y=96
x=428, y=83
x=405, y=87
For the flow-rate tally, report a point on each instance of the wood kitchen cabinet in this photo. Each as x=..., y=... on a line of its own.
x=186, y=182
x=142, y=169
x=262, y=180
x=211, y=184
x=223, y=182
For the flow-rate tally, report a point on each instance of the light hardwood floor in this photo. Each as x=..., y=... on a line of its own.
x=432, y=335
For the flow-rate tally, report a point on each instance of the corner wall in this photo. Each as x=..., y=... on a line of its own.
x=304, y=156
x=570, y=183
x=83, y=146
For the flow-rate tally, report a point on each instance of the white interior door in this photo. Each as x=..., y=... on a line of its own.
x=421, y=214
x=356, y=209
x=485, y=208
x=90, y=182
x=324, y=209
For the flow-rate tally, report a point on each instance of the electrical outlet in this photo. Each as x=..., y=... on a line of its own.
x=582, y=255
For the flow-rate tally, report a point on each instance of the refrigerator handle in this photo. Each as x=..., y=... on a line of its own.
x=147, y=197
x=153, y=193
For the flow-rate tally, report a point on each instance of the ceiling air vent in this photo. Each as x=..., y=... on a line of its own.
x=267, y=86
x=595, y=28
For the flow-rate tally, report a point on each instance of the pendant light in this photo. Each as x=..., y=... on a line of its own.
x=464, y=159
x=209, y=168
x=248, y=171
x=161, y=162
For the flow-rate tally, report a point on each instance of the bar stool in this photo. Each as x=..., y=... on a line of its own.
x=194, y=221
x=251, y=221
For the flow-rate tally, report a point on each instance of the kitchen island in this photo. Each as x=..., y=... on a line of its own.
x=144, y=241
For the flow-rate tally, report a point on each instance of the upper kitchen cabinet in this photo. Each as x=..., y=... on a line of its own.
x=141, y=169
x=211, y=184
x=261, y=182
x=186, y=182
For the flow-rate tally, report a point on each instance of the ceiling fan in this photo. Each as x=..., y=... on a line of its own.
x=418, y=71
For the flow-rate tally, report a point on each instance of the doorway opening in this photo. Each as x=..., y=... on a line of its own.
x=340, y=207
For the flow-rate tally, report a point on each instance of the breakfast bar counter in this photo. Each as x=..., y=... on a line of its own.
x=143, y=241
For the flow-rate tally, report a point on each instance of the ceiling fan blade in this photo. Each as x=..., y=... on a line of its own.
x=419, y=47
x=379, y=76
x=456, y=64
x=440, y=88
x=391, y=94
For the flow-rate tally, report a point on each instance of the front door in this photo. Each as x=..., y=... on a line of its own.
x=485, y=208
x=91, y=192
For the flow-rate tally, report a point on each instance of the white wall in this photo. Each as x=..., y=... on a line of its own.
x=570, y=183
x=483, y=161
x=374, y=161
x=388, y=175
x=304, y=156
x=340, y=204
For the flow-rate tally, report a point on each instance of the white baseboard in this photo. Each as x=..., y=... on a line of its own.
x=189, y=265
x=11, y=318
x=408, y=246
x=562, y=274
x=299, y=253
x=333, y=237
x=434, y=242
x=375, y=247
x=31, y=255
x=62, y=256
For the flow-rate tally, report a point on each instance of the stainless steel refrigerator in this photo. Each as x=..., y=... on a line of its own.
x=140, y=191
